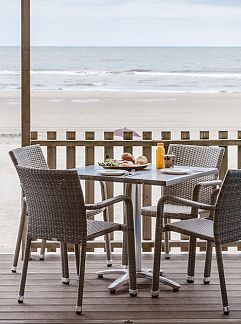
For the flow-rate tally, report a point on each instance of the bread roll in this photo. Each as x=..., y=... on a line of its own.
x=142, y=160
x=128, y=157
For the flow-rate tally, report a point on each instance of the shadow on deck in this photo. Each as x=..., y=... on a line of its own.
x=49, y=301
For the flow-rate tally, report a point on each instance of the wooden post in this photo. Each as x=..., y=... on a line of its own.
x=25, y=72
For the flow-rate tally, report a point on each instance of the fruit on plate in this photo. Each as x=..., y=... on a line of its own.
x=128, y=157
x=141, y=160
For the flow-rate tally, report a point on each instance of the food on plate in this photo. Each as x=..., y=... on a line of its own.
x=141, y=160
x=129, y=161
x=110, y=162
x=128, y=157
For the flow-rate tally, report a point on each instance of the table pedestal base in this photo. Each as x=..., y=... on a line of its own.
x=144, y=273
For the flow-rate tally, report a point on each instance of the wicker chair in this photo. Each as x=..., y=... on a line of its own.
x=57, y=211
x=223, y=226
x=32, y=156
x=195, y=156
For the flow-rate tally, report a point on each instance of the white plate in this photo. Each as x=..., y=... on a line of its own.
x=175, y=171
x=113, y=172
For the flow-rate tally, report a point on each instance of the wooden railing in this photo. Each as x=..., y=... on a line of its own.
x=92, y=149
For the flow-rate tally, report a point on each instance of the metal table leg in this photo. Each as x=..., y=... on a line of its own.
x=141, y=272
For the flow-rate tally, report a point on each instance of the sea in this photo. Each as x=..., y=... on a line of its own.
x=140, y=69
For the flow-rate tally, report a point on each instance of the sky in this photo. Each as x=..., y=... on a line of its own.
x=125, y=22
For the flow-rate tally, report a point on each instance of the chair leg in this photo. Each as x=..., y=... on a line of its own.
x=77, y=257
x=208, y=263
x=219, y=258
x=81, y=279
x=157, y=258
x=191, y=259
x=42, y=251
x=20, y=236
x=107, y=241
x=166, y=241
x=132, y=263
x=124, y=260
x=127, y=190
x=106, y=219
x=64, y=262
x=24, y=270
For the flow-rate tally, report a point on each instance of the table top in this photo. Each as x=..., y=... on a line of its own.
x=150, y=175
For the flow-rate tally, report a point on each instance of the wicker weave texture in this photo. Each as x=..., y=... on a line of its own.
x=57, y=211
x=29, y=156
x=227, y=217
x=55, y=204
x=202, y=228
x=194, y=156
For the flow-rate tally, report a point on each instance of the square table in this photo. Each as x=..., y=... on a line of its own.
x=149, y=176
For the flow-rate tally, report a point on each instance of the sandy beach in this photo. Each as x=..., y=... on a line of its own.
x=87, y=110
x=109, y=110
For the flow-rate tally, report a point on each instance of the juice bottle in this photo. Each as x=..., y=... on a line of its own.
x=160, y=152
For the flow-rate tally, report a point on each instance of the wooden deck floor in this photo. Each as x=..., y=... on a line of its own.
x=48, y=301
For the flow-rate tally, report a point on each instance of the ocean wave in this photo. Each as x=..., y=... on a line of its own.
x=9, y=72
x=74, y=73
x=139, y=71
x=136, y=72
x=214, y=91
x=85, y=84
x=61, y=72
x=217, y=75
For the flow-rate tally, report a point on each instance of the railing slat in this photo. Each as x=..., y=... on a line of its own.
x=89, y=184
x=70, y=151
x=224, y=166
x=185, y=135
x=147, y=195
x=204, y=135
x=239, y=151
x=109, y=151
x=166, y=136
x=51, y=151
x=128, y=148
x=89, y=160
x=34, y=136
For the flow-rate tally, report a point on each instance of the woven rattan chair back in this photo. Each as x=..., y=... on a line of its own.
x=227, y=218
x=55, y=204
x=29, y=156
x=194, y=156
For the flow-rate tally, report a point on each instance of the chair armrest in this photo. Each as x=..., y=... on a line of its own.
x=107, y=202
x=90, y=207
x=160, y=212
x=204, y=184
x=186, y=202
x=211, y=183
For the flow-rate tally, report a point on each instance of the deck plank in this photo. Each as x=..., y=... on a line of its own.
x=48, y=301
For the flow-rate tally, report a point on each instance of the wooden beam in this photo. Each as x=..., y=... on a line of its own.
x=25, y=72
